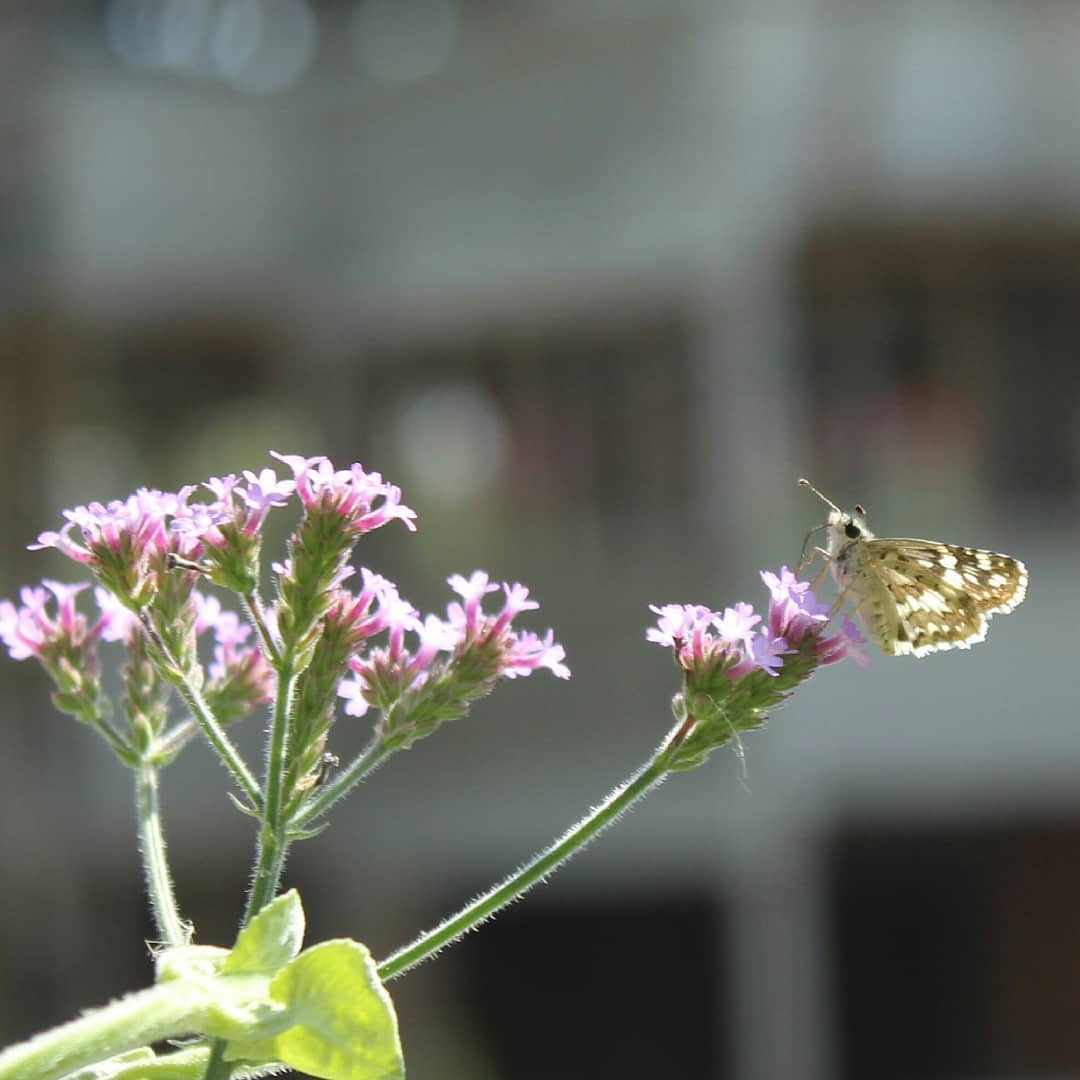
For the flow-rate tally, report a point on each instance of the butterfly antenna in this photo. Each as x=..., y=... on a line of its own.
x=827, y=502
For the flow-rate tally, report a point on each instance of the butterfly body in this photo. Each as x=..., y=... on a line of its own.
x=920, y=596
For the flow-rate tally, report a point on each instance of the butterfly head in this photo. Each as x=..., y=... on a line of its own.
x=843, y=528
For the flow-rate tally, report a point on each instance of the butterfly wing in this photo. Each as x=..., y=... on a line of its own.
x=918, y=596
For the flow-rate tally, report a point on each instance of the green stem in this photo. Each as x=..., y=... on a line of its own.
x=170, y=926
x=119, y=745
x=254, y=609
x=214, y=732
x=174, y=740
x=273, y=843
x=217, y=1068
x=167, y=1011
x=123, y=1025
x=542, y=864
x=365, y=762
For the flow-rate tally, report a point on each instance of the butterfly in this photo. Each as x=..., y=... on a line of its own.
x=918, y=596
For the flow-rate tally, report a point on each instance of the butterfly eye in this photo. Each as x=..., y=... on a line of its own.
x=852, y=531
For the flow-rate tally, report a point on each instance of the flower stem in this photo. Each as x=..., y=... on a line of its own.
x=217, y=1068
x=171, y=928
x=365, y=762
x=253, y=607
x=174, y=740
x=273, y=841
x=119, y=745
x=542, y=864
x=161, y=1012
x=214, y=732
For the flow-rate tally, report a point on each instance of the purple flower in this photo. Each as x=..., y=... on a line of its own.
x=375, y=608
x=706, y=640
x=120, y=541
x=793, y=640
x=527, y=652
x=457, y=659
x=508, y=652
x=30, y=630
x=387, y=674
x=236, y=508
x=360, y=499
x=241, y=678
x=794, y=610
x=736, y=625
x=677, y=623
x=797, y=615
x=117, y=622
x=352, y=689
x=472, y=590
x=261, y=493
x=847, y=642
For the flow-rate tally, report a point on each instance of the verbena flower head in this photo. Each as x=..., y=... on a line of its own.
x=489, y=641
x=47, y=626
x=367, y=645
x=801, y=619
x=240, y=676
x=710, y=642
x=123, y=542
x=362, y=501
x=351, y=620
x=227, y=529
x=737, y=664
x=456, y=660
x=339, y=507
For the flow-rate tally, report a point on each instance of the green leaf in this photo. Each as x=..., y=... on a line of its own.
x=186, y=1064
x=344, y=1023
x=271, y=939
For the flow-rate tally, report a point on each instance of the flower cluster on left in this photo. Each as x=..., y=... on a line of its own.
x=154, y=559
x=145, y=597
x=330, y=640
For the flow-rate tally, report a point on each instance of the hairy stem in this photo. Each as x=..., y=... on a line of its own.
x=365, y=762
x=170, y=926
x=253, y=607
x=214, y=732
x=273, y=841
x=542, y=864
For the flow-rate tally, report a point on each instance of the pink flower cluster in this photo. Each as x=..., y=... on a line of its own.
x=135, y=546
x=361, y=499
x=733, y=642
x=33, y=630
x=484, y=644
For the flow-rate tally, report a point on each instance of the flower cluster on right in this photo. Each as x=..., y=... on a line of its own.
x=738, y=664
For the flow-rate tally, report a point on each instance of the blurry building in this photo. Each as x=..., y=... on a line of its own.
x=595, y=282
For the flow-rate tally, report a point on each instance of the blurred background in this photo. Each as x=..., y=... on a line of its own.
x=595, y=282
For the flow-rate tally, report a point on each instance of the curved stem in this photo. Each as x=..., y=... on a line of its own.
x=542, y=864
x=174, y=740
x=365, y=762
x=119, y=745
x=273, y=843
x=253, y=607
x=214, y=732
x=170, y=926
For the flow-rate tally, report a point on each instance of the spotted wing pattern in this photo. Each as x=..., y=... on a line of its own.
x=918, y=596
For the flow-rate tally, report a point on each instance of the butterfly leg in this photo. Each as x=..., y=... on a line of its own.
x=839, y=601
x=806, y=560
